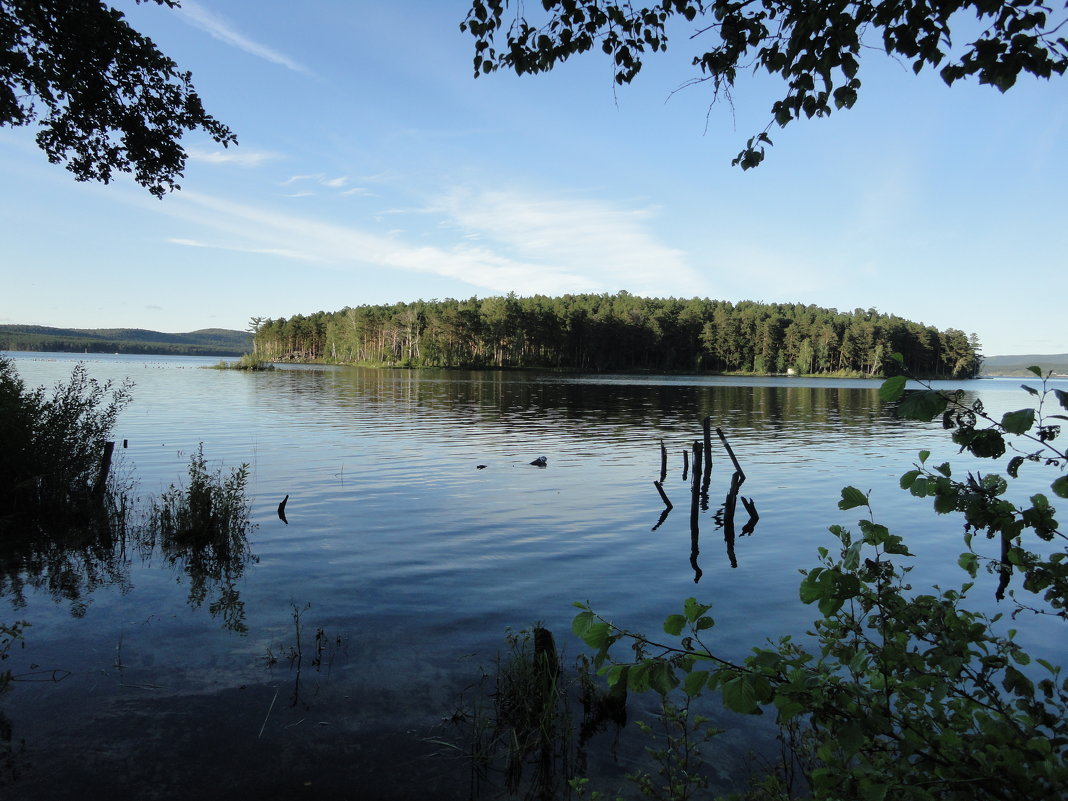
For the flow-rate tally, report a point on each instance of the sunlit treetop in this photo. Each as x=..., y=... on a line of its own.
x=102, y=96
x=815, y=47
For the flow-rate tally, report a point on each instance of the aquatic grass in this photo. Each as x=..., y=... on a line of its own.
x=204, y=526
x=247, y=362
x=517, y=725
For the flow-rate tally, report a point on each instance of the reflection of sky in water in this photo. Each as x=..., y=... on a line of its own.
x=417, y=558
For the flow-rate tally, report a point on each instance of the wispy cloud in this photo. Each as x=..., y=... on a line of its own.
x=222, y=30
x=610, y=246
x=288, y=254
x=320, y=179
x=242, y=158
x=494, y=242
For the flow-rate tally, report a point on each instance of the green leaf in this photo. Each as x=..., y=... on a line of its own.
x=1060, y=487
x=1018, y=422
x=674, y=624
x=638, y=677
x=812, y=586
x=907, y=479
x=1036, y=370
x=1032, y=390
x=693, y=610
x=694, y=682
x=1062, y=396
x=923, y=405
x=892, y=388
x=662, y=677
x=852, y=498
x=944, y=504
x=595, y=633
x=970, y=563
x=740, y=695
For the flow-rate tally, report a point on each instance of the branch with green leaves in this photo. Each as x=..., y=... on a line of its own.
x=815, y=48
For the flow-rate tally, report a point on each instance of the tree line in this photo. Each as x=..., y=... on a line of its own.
x=598, y=332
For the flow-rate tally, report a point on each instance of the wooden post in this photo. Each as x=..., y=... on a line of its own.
x=663, y=495
x=706, y=424
x=696, y=464
x=105, y=468
x=663, y=462
x=685, y=464
x=730, y=452
x=728, y=517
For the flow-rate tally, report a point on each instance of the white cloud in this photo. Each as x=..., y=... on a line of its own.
x=242, y=158
x=526, y=246
x=218, y=28
x=609, y=246
x=288, y=254
x=320, y=179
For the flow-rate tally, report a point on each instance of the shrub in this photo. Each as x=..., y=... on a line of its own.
x=50, y=463
x=899, y=694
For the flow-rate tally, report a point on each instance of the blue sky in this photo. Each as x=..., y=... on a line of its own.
x=373, y=168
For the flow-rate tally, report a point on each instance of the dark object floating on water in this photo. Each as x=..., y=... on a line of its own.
x=282, y=510
x=480, y=467
x=541, y=461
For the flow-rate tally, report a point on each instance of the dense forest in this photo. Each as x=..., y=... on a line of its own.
x=206, y=342
x=619, y=332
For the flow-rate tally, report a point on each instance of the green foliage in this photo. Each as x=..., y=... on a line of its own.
x=246, y=362
x=899, y=693
x=814, y=48
x=103, y=97
x=620, y=332
x=50, y=461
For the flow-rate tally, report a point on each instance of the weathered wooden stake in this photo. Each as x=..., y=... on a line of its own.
x=105, y=468
x=706, y=424
x=730, y=452
x=663, y=462
x=663, y=495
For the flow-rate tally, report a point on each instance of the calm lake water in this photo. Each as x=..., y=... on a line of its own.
x=419, y=562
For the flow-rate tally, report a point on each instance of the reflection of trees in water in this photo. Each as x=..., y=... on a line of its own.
x=582, y=406
x=67, y=556
x=213, y=562
x=70, y=558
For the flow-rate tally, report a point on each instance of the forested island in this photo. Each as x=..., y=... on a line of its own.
x=206, y=342
x=619, y=332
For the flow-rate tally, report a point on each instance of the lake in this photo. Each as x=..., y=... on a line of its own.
x=411, y=562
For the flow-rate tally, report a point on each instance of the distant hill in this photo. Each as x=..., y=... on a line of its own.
x=1017, y=365
x=205, y=342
